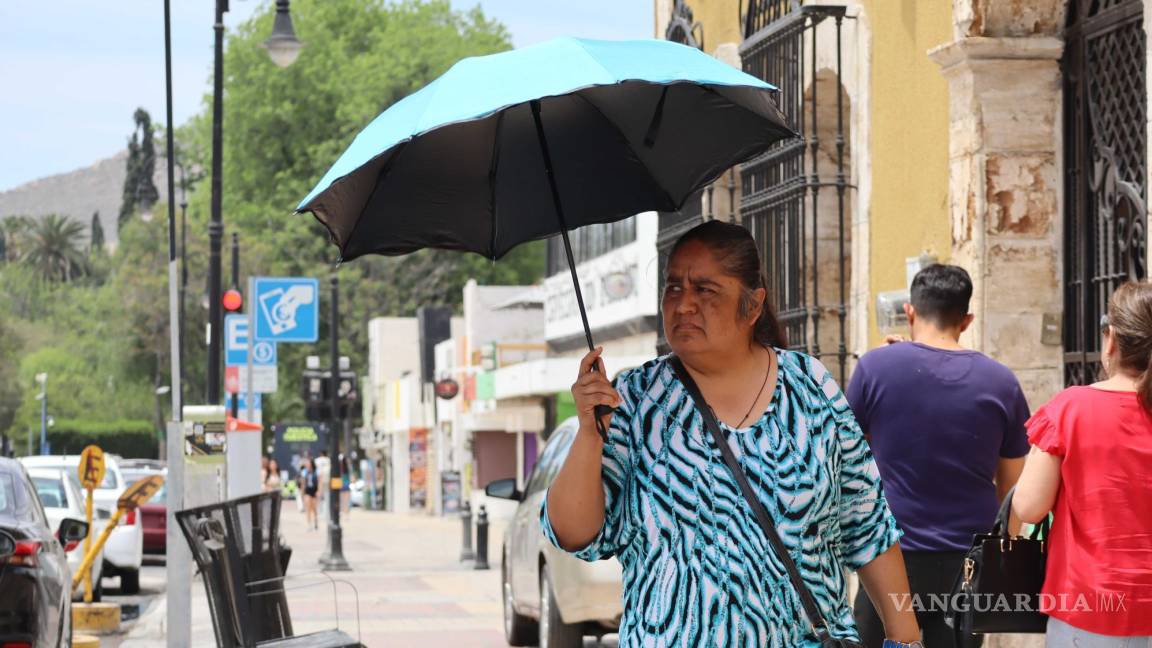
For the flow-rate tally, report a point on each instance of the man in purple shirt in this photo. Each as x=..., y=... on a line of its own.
x=946, y=425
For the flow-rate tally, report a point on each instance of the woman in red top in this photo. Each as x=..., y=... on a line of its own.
x=1091, y=464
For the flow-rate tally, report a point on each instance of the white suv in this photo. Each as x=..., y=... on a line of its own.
x=124, y=551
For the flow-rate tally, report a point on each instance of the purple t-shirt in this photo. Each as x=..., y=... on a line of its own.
x=938, y=423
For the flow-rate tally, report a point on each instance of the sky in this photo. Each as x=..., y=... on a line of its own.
x=72, y=72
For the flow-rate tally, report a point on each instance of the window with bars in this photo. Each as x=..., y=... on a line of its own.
x=795, y=197
x=1105, y=113
x=590, y=242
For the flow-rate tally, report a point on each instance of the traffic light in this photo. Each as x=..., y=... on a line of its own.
x=317, y=394
x=233, y=300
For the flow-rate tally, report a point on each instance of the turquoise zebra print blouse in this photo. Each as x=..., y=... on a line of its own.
x=698, y=570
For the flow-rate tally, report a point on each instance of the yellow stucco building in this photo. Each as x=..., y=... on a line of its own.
x=968, y=132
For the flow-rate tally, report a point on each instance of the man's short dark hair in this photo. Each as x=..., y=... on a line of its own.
x=940, y=294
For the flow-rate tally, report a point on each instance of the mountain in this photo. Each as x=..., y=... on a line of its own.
x=78, y=194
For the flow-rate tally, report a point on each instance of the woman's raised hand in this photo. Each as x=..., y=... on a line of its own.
x=591, y=389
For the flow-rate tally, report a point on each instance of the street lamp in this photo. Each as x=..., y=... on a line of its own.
x=160, y=391
x=283, y=47
x=42, y=380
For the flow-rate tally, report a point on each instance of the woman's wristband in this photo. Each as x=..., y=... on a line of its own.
x=891, y=643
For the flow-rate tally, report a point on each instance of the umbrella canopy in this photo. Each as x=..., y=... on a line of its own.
x=528, y=143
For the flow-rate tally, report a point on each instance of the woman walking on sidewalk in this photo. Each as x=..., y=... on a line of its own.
x=1091, y=465
x=311, y=483
x=700, y=566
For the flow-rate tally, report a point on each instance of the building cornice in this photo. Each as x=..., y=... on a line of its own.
x=956, y=53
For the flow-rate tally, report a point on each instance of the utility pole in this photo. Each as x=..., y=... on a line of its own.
x=42, y=378
x=333, y=557
x=236, y=286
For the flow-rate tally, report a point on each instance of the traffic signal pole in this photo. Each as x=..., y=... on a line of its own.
x=333, y=557
x=236, y=286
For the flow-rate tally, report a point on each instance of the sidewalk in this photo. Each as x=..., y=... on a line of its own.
x=413, y=590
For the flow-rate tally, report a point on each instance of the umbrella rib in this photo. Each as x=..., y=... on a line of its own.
x=667, y=196
x=492, y=169
x=387, y=166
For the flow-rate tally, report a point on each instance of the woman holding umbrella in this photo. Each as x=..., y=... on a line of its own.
x=700, y=568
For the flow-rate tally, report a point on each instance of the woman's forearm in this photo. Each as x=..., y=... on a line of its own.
x=886, y=582
x=576, y=497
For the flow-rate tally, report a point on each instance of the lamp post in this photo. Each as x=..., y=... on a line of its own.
x=333, y=557
x=283, y=48
x=42, y=379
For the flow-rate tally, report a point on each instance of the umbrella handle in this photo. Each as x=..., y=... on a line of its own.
x=600, y=410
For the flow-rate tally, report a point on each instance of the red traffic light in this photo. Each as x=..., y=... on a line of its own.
x=233, y=300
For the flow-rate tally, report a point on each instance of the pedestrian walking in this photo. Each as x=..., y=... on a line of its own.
x=310, y=483
x=1091, y=466
x=345, y=484
x=946, y=426
x=272, y=482
x=699, y=557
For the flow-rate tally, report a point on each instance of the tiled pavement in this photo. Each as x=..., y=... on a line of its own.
x=413, y=589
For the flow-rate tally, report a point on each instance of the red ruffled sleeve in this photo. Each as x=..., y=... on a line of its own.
x=1044, y=433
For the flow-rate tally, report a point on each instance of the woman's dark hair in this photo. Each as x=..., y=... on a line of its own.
x=1130, y=319
x=736, y=252
x=941, y=294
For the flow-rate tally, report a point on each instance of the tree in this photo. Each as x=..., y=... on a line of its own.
x=13, y=232
x=285, y=127
x=53, y=248
x=139, y=190
x=96, y=235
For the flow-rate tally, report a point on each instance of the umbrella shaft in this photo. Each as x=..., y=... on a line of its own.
x=560, y=216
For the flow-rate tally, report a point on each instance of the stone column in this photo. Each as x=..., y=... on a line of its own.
x=1005, y=197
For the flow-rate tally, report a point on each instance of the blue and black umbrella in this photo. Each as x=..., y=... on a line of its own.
x=530, y=143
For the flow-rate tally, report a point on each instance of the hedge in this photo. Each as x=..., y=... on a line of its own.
x=129, y=439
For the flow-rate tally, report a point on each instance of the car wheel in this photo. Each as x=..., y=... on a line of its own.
x=519, y=630
x=130, y=581
x=554, y=633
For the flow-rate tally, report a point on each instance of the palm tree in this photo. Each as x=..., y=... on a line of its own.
x=53, y=247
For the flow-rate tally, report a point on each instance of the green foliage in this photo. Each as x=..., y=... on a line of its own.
x=127, y=438
x=96, y=235
x=52, y=247
x=139, y=190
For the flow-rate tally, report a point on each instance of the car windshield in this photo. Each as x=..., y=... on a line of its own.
x=51, y=492
x=158, y=498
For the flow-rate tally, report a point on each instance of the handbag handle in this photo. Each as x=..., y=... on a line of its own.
x=1000, y=526
x=807, y=601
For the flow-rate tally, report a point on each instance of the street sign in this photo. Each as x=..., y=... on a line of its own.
x=236, y=344
x=257, y=402
x=287, y=309
x=264, y=379
x=91, y=468
x=140, y=492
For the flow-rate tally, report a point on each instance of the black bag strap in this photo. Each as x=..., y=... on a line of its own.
x=1000, y=526
x=811, y=609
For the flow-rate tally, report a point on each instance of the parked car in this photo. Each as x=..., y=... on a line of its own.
x=124, y=551
x=154, y=512
x=550, y=597
x=35, y=580
x=60, y=495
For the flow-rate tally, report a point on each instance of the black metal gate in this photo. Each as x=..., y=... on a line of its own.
x=1105, y=107
x=781, y=190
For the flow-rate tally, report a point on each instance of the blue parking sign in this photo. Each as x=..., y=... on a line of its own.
x=236, y=344
x=287, y=309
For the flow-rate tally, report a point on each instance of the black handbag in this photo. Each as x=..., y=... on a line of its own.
x=807, y=601
x=998, y=587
